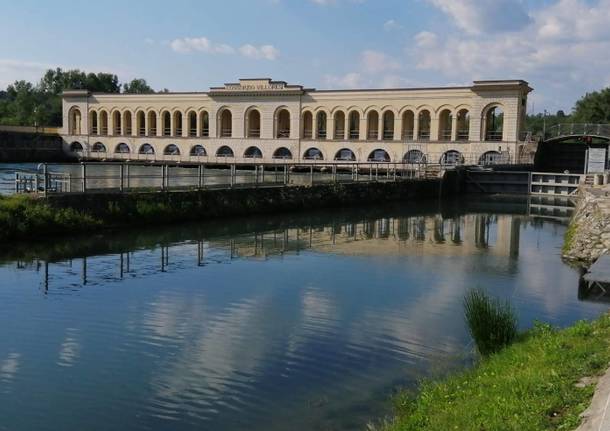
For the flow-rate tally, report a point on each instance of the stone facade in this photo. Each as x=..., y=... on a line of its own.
x=271, y=120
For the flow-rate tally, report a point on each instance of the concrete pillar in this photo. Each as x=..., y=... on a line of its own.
x=363, y=127
x=295, y=126
x=380, y=127
x=330, y=127
x=134, y=123
x=160, y=124
x=199, y=128
x=186, y=124
x=433, y=127
x=346, y=128
x=416, y=127
x=454, y=125
x=314, y=126
x=213, y=124
x=397, y=127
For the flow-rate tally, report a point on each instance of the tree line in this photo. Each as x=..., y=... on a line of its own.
x=26, y=104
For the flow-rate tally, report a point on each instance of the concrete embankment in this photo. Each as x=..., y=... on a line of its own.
x=153, y=207
x=588, y=235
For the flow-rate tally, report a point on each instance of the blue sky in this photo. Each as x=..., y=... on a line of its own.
x=560, y=46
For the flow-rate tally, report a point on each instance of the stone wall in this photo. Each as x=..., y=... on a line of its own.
x=588, y=235
x=18, y=147
x=170, y=207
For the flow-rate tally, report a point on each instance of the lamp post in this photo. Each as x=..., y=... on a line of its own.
x=544, y=124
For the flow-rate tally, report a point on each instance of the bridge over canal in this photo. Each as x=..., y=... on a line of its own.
x=576, y=147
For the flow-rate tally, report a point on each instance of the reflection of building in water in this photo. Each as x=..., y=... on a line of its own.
x=400, y=236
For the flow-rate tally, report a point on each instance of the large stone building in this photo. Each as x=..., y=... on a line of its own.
x=272, y=120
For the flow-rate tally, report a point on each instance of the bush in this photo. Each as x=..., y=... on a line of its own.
x=492, y=324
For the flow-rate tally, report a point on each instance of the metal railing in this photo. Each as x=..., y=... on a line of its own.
x=108, y=177
x=578, y=129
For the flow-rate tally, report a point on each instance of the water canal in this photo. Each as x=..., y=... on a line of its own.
x=290, y=322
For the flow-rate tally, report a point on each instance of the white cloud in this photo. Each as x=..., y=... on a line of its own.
x=391, y=24
x=562, y=47
x=202, y=44
x=484, y=16
x=267, y=52
x=376, y=62
x=349, y=80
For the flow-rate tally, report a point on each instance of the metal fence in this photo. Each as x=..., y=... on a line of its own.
x=91, y=177
x=578, y=129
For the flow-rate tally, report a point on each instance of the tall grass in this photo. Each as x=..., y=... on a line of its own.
x=492, y=324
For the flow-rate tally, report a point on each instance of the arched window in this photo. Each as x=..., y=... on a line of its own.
x=75, y=120
x=152, y=123
x=253, y=153
x=494, y=124
x=388, y=125
x=225, y=123
x=127, y=123
x=339, y=132
x=253, y=124
x=76, y=147
x=424, y=125
x=224, y=151
x=408, y=125
x=166, y=123
x=192, y=126
x=445, y=121
x=122, y=148
x=321, y=124
x=103, y=118
x=282, y=153
x=452, y=158
x=491, y=158
x=177, y=124
x=379, y=156
x=198, y=151
x=345, y=154
x=171, y=150
x=354, y=125
x=98, y=147
x=463, y=125
x=414, y=156
x=93, y=127
x=146, y=149
x=116, y=123
x=205, y=124
x=282, y=126
x=372, y=127
x=313, y=154
x=141, y=123
x=307, y=125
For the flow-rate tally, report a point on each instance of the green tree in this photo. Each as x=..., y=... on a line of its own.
x=137, y=86
x=593, y=107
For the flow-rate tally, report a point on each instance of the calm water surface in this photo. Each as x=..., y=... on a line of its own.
x=295, y=322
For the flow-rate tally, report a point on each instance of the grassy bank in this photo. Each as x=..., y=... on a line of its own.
x=530, y=385
x=29, y=217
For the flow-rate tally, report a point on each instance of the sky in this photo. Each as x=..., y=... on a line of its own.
x=561, y=47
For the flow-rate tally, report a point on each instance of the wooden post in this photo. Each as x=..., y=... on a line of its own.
x=45, y=172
